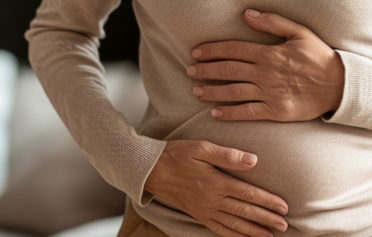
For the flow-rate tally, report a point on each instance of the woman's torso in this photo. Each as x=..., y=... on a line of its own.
x=323, y=171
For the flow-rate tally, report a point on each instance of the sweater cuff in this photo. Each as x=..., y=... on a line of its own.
x=152, y=150
x=356, y=108
x=131, y=175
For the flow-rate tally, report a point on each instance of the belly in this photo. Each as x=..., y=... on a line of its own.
x=323, y=171
x=316, y=167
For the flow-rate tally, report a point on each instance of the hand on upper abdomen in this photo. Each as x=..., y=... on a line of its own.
x=298, y=80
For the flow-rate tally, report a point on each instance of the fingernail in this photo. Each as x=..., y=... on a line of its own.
x=191, y=71
x=249, y=159
x=197, y=53
x=281, y=210
x=280, y=226
x=253, y=13
x=198, y=91
x=216, y=113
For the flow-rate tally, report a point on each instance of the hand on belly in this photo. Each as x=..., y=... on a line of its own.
x=186, y=177
x=298, y=80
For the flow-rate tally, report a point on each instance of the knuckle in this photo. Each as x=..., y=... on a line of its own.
x=281, y=91
x=234, y=92
x=288, y=110
x=233, y=223
x=210, y=191
x=203, y=143
x=203, y=146
x=231, y=49
x=209, y=186
x=305, y=30
x=285, y=111
x=249, y=111
x=272, y=75
x=277, y=92
x=277, y=83
x=245, y=212
x=274, y=54
x=261, y=72
x=272, y=17
x=230, y=155
x=228, y=70
x=250, y=196
x=276, y=79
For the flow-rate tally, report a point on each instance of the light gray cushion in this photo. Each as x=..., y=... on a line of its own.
x=52, y=185
x=8, y=76
x=108, y=227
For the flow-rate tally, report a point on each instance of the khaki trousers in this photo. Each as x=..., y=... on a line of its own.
x=135, y=226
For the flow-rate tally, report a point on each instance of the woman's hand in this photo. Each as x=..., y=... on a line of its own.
x=298, y=80
x=185, y=176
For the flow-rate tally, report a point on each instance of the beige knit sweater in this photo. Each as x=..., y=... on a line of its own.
x=323, y=169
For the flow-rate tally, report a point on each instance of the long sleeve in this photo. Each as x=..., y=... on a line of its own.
x=356, y=106
x=64, y=38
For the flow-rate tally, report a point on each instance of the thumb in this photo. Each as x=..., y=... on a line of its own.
x=274, y=24
x=228, y=158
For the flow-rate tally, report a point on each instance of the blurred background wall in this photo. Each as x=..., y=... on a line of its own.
x=121, y=42
x=47, y=186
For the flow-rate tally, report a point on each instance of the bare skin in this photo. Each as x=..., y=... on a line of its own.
x=298, y=80
x=186, y=177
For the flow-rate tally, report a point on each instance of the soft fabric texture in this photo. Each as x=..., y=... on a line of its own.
x=135, y=226
x=322, y=168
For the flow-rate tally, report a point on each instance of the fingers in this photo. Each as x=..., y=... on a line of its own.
x=247, y=51
x=275, y=24
x=225, y=157
x=224, y=50
x=248, y=193
x=211, y=196
x=221, y=229
x=224, y=70
x=242, y=226
x=228, y=93
x=248, y=111
x=254, y=213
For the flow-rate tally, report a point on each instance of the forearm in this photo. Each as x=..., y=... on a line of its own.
x=64, y=55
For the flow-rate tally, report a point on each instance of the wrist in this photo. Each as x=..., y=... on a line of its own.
x=158, y=180
x=337, y=75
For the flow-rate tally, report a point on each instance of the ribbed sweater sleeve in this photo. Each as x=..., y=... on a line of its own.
x=63, y=42
x=356, y=106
